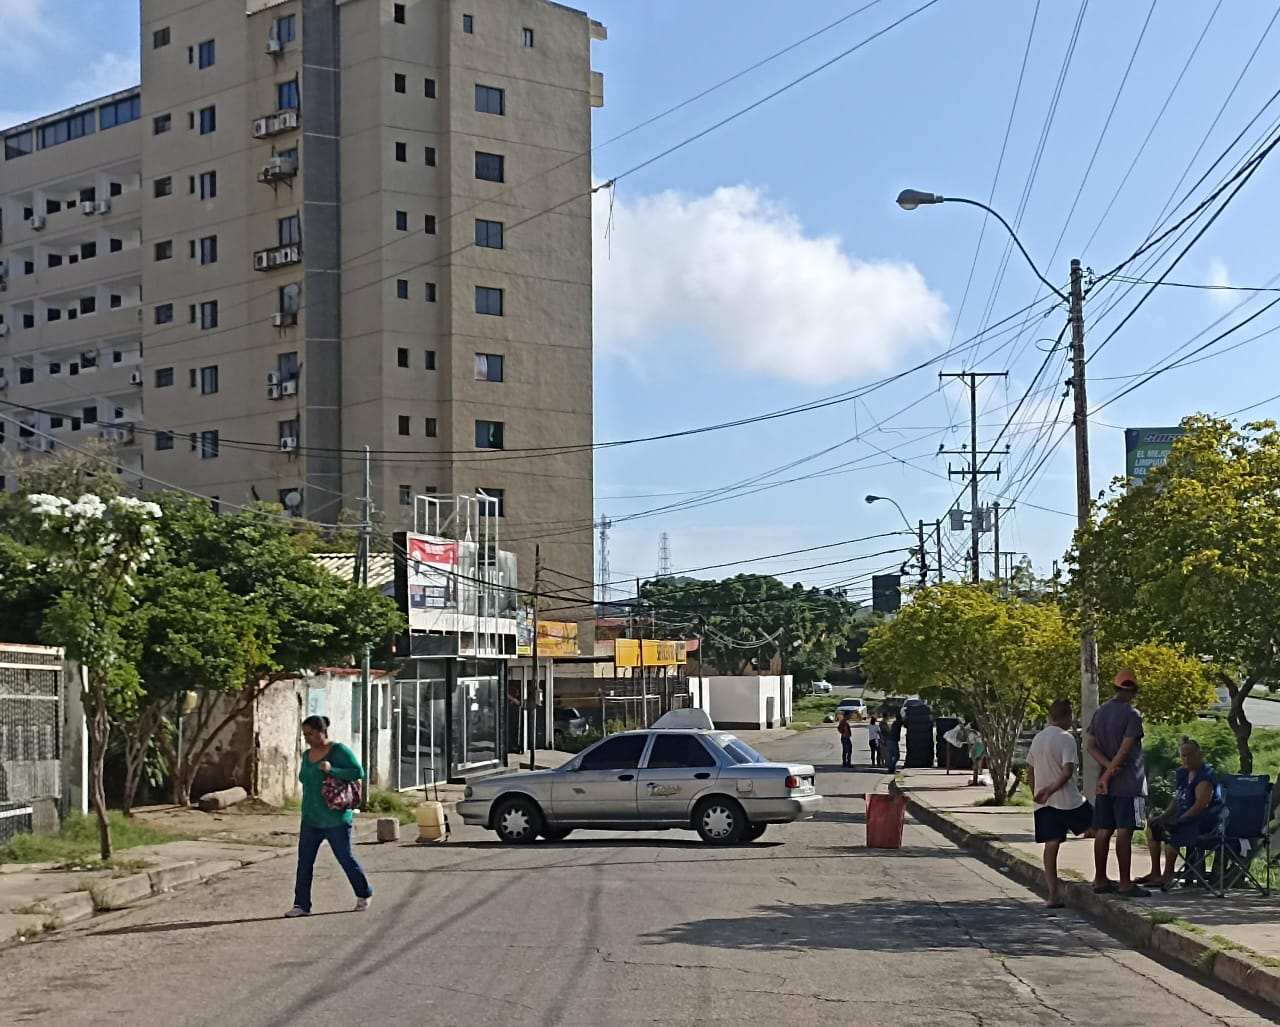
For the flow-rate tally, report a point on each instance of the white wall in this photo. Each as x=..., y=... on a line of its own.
x=744, y=702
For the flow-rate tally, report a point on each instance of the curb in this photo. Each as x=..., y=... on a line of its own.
x=1237, y=967
x=124, y=892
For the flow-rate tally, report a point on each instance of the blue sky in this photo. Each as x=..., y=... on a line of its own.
x=766, y=265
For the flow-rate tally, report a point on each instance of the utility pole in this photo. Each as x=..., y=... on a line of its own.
x=995, y=541
x=640, y=652
x=533, y=692
x=937, y=527
x=1084, y=502
x=368, y=737
x=924, y=560
x=975, y=470
x=605, y=525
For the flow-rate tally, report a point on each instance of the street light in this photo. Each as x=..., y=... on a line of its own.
x=886, y=499
x=918, y=530
x=910, y=199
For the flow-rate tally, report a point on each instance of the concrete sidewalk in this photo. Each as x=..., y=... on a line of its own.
x=1241, y=932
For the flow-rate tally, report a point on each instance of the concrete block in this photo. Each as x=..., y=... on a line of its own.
x=174, y=876
x=214, y=867
x=212, y=801
x=121, y=892
x=388, y=829
x=70, y=907
x=1240, y=971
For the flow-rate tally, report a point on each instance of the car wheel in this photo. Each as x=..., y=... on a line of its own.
x=753, y=832
x=556, y=834
x=719, y=821
x=517, y=821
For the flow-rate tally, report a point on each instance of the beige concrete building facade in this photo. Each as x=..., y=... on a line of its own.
x=319, y=226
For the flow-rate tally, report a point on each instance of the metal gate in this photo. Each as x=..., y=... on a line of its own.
x=30, y=737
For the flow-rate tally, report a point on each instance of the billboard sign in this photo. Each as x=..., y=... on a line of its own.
x=626, y=653
x=432, y=581
x=1146, y=448
x=555, y=638
x=886, y=593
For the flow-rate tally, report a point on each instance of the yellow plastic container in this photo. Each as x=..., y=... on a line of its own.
x=431, y=823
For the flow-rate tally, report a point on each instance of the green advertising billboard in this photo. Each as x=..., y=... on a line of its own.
x=1146, y=448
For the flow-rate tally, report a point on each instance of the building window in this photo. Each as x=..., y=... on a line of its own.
x=88, y=250
x=205, y=54
x=115, y=301
x=526, y=38
x=402, y=153
x=402, y=288
x=397, y=13
x=468, y=24
x=406, y=495
x=53, y=314
x=488, y=301
x=289, y=230
x=489, y=434
x=26, y=375
x=159, y=38
x=164, y=377
x=77, y=126
x=431, y=360
x=402, y=221
x=164, y=314
x=429, y=156
x=491, y=100
x=55, y=368
x=161, y=124
x=208, y=120
x=488, y=367
x=287, y=95
x=429, y=224
x=120, y=113
x=89, y=415
x=115, y=245
x=286, y=30
x=431, y=292
x=208, y=445
x=492, y=502
x=88, y=304
x=288, y=430
x=209, y=249
x=208, y=380
x=163, y=187
x=431, y=428
x=164, y=440
x=18, y=145
x=402, y=356
x=289, y=298
x=429, y=88
x=164, y=250
x=403, y=425
x=401, y=82
x=55, y=260
x=208, y=185
x=287, y=366
x=209, y=314
x=490, y=167
x=489, y=234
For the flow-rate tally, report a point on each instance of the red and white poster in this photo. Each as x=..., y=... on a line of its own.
x=432, y=570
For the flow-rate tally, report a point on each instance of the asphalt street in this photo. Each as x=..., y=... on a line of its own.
x=805, y=927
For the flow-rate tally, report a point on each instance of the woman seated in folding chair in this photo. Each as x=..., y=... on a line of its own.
x=1196, y=811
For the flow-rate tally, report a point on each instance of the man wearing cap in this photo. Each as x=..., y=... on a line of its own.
x=1114, y=740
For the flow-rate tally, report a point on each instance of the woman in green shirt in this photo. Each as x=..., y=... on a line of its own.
x=322, y=759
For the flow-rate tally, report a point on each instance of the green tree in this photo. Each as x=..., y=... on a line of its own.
x=1176, y=686
x=964, y=650
x=96, y=548
x=1191, y=557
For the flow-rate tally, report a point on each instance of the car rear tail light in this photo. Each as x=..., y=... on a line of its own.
x=793, y=782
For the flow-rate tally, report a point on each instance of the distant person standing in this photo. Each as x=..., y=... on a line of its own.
x=873, y=740
x=846, y=740
x=891, y=739
x=1061, y=809
x=1114, y=741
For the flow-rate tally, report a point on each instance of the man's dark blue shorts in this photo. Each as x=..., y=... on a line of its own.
x=1053, y=825
x=1119, y=813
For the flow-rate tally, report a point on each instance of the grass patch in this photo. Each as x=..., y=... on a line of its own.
x=810, y=711
x=1072, y=875
x=77, y=841
x=1023, y=801
x=392, y=804
x=293, y=803
x=117, y=867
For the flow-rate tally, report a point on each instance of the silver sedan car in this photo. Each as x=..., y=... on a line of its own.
x=707, y=781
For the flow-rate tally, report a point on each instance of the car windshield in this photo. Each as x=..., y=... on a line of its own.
x=738, y=750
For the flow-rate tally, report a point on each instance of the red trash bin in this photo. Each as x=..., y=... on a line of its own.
x=885, y=816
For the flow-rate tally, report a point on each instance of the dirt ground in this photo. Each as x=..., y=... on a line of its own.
x=250, y=821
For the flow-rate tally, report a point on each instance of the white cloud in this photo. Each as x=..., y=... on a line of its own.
x=29, y=31
x=1219, y=276
x=738, y=271
x=110, y=73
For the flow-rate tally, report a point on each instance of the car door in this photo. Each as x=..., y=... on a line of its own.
x=680, y=767
x=602, y=788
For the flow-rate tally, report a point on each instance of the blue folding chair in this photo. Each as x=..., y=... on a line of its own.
x=1247, y=834
x=1192, y=866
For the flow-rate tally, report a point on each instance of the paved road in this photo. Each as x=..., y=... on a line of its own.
x=805, y=928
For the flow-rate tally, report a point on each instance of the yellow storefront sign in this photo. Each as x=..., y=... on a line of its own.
x=555, y=638
x=626, y=653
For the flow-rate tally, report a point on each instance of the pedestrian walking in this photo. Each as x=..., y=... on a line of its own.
x=873, y=740
x=326, y=813
x=846, y=740
x=1114, y=741
x=1061, y=808
x=891, y=740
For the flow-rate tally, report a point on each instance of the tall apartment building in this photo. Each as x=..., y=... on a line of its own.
x=319, y=225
